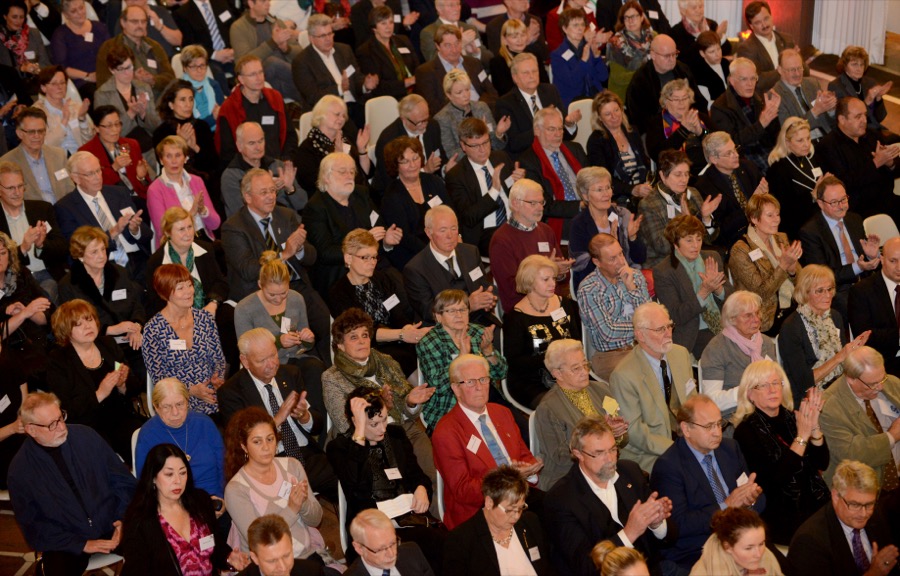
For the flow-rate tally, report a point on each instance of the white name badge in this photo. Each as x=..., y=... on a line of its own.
x=29, y=54
x=742, y=479
x=402, y=50
x=152, y=64
x=225, y=16
x=567, y=55
x=474, y=444
x=475, y=274
x=119, y=294
x=207, y=542
x=268, y=120
x=48, y=227
x=349, y=70
x=817, y=172
x=558, y=314
x=543, y=246
x=670, y=211
x=490, y=127
x=392, y=473
x=612, y=217
x=89, y=37
x=4, y=403
x=534, y=553
x=347, y=148
x=285, y=325
x=755, y=255
x=285, y=489
x=509, y=181
x=61, y=174
x=127, y=211
x=373, y=218
x=397, y=19
x=482, y=75
x=177, y=344
x=435, y=201
x=391, y=302
x=653, y=14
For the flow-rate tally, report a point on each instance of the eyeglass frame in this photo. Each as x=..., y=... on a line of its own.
x=396, y=544
x=858, y=506
x=51, y=427
x=721, y=424
x=513, y=512
x=660, y=330
x=839, y=202
x=470, y=383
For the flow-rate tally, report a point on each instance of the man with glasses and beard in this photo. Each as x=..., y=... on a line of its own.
x=68, y=488
x=702, y=473
x=588, y=503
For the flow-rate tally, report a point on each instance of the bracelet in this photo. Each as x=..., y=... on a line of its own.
x=358, y=439
x=401, y=335
x=817, y=438
x=800, y=441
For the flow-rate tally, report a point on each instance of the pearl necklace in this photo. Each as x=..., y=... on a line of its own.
x=505, y=541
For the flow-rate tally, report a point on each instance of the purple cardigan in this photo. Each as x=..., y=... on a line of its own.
x=161, y=197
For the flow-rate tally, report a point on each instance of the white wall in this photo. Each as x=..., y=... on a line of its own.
x=893, y=17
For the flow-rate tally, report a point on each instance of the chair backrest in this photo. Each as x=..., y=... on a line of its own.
x=303, y=38
x=509, y=398
x=342, y=518
x=439, y=491
x=150, y=408
x=134, y=439
x=584, y=125
x=380, y=112
x=883, y=225
x=533, y=444
x=305, y=125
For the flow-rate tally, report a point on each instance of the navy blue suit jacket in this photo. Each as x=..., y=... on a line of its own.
x=72, y=211
x=678, y=475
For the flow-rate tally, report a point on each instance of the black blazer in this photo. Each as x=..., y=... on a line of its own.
x=431, y=138
x=307, y=160
x=148, y=553
x=240, y=392
x=501, y=75
x=359, y=19
x=797, y=354
x=705, y=76
x=642, y=97
x=470, y=205
x=729, y=216
x=399, y=208
x=681, y=139
x=469, y=548
x=687, y=45
x=871, y=189
x=793, y=188
x=554, y=208
x=871, y=307
x=728, y=116
x=342, y=296
x=215, y=285
x=373, y=59
x=602, y=150
x=78, y=284
x=521, y=130
x=313, y=80
x=193, y=26
x=430, y=82
x=819, y=246
x=244, y=243
x=578, y=519
x=820, y=547
x=55, y=252
x=425, y=278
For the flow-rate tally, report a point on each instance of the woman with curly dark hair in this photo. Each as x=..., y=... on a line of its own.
x=176, y=112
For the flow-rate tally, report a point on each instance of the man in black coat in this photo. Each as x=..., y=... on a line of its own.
x=642, y=98
x=871, y=306
x=280, y=391
x=581, y=513
x=830, y=235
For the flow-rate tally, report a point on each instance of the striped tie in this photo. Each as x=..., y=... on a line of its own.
x=101, y=215
x=501, y=207
x=267, y=236
x=218, y=43
x=713, y=478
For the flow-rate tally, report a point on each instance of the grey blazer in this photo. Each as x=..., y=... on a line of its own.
x=790, y=106
x=642, y=402
x=554, y=420
x=55, y=159
x=108, y=94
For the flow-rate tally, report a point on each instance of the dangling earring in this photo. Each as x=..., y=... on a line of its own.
x=246, y=456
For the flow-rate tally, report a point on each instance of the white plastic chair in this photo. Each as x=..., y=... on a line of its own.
x=439, y=491
x=342, y=518
x=134, y=439
x=100, y=561
x=584, y=125
x=150, y=408
x=4, y=495
x=883, y=225
x=303, y=38
x=305, y=125
x=380, y=112
x=513, y=401
x=178, y=67
x=533, y=444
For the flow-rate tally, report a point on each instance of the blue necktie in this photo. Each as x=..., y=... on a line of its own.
x=859, y=553
x=563, y=176
x=217, y=42
x=288, y=439
x=717, y=489
x=491, y=442
x=501, y=208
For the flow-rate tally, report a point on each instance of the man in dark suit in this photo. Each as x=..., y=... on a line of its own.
x=261, y=225
x=329, y=67
x=735, y=179
x=280, y=391
x=522, y=103
x=193, y=19
x=518, y=10
x=872, y=306
x=803, y=97
x=836, y=238
x=430, y=75
x=832, y=541
x=272, y=551
x=415, y=121
x=642, y=98
x=584, y=511
x=109, y=208
x=555, y=164
x=375, y=540
x=765, y=43
x=429, y=272
x=702, y=473
x=42, y=247
x=479, y=192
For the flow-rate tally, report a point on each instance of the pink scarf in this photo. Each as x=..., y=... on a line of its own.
x=752, y=347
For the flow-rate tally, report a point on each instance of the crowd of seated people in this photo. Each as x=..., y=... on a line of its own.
x=664, y=352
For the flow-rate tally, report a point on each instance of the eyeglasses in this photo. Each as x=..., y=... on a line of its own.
x=712, y=425
x=417, y=123
x=200, y=66
x=513, y=512
x=471, y=382
x=730, y=153
x=90, y=174
x=128, y=68
x=533, y=203
x=794, y=70
x=56, y=84
x=477, y=144
x=367, y=258
x=874, y=385
x=839, y=202
x=406, y=161
x=14, y=188
x=679, y=99
x=662, y=329
x=324, y=35
x=53, y=425
x=669, y=56
x=392, y=546
x=579, y=368
x=632, y=16
x=167, y=408
x=858, y=506
x=553, y=129
x=824, y=291
x=455, y=311
x=753, y=78
x=35, y=132
x=614, y=451
x=768, y=385
x=111, y=125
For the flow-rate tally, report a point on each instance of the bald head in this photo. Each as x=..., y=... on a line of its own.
x=890, y=260
x=663, y=53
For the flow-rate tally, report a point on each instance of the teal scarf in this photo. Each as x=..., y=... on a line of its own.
x=199, y=296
